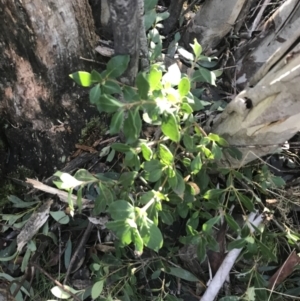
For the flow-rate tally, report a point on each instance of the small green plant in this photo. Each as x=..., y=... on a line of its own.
x=165, y=179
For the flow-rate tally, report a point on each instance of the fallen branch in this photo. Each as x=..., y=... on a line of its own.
x=224, y=270
x=63, y=196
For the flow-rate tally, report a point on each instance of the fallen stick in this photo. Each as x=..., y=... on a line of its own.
x=61, y=194
x=224, y=270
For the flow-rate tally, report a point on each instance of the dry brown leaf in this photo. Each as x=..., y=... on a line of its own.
x=285, y=270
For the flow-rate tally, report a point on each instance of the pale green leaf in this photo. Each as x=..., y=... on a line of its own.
x=170, y=128
x=97, y=289
x=82, y=78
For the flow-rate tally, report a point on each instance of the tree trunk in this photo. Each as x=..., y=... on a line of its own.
x=41, y=44
x=126, y=23
x=213, y=22
x=267, y=112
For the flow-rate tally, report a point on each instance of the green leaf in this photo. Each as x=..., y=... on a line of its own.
x=116, y=122
x=278, y=181
x=162, y=16
x=197, y=49
x=142, y=85
x=201, y=249
x=165, y=154
x=60, y=217
x=127, y=179
x=106, y=193
x=170, y=128
x=180, y=187
x=108, y=104
x=100, y=205
x=82, y=78
x=232, y=223
x=265, y=251
x=166, y=217
x=84, y=176
x=111, y=87
x=94, y=94
x=213, y=194
x=234, y=153
x=97, y=289
x=132, y=126
x=68, y=253
x=230, y=298
x=149, y=18
x=130, y=94
x=188, y=142
x=218, y=139
x=120, y=210
x=181, y=273
x=17, y=203
x=122, y=229
x=216, y=151
x=153, y=170
x=146, y=151
x=246, y=201
x=186, y=108
x=25, y=260
x=154, y=79
x=207, y=227
x=138, y=242
x=204, y=75
x=96, y=77
x=121, y=147
x=151, y=234
x=184, y=86
x=149, y=4
x=237, y=244
x=117, y=65
x=196, y=164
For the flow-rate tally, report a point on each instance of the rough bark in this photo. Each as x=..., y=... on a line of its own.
x=126, y=22
x=41, y=43
x=212, y=22
x=174, y=10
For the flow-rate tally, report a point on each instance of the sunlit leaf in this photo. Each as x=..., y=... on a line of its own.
x=197, y=49
x=184, y=86
x=170, y=128
x=82, y=78
x=165, y=154
x=146, y=151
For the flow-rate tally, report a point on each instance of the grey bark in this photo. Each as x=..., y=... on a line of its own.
x=213, y=22
x=174, y=10
x=126, y=22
